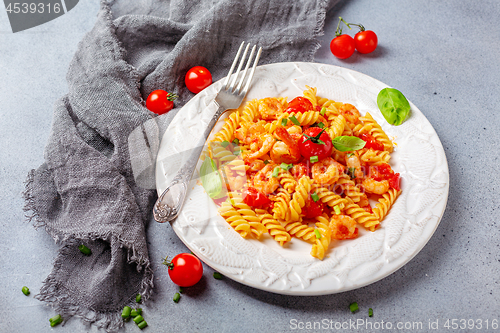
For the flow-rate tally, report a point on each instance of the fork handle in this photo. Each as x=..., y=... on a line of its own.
x=170, y=202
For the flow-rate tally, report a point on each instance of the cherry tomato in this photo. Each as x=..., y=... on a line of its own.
x=310, y=145
x=160, y=101
x=366, y=41
x=342, y=46
x=185, y=270
x=371, y=142
x=394, y=182
x=197, y=79
x=299, y=104
x=254, y=198
x=312, y=208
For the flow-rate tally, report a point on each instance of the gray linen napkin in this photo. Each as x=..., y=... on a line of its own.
x=85, y=192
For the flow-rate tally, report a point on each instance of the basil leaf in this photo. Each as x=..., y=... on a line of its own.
x=348, y=143
x=210, y=178
x=394, y=106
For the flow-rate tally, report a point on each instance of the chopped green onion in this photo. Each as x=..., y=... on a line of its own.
x=85, y=250
x=138, y=319
x=294, y=120
x=276, y=172
x=26, y=290
x=351, y=172
x=353, y=307
x=136, y=312
x=323, y=111
x=126, y=312
x=177, y=297
x=336, y=208
x=218, y=276
x=236, y=141
x=266, y=162
x=56, y=320
x=142, y=324
x=285, y=166
x=370, y=312
x=317, y=233
x=181, y=290
x=284, y=121
x=315, y=197
x=313, y=159
x=138, y=298
x=349, y=154
x=321, y=125
x=224, y=143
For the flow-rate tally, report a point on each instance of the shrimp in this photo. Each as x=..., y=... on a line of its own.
x=373, y=186
x=327, y=171
x=299, y=170
x=255, y=166
x=352, y=161
x=248, y=134
x=233, y=182
x=286, y=150
x=350, y=113
x=270, y=108
x=264, y=181
x=267, y=142
x=343, y=227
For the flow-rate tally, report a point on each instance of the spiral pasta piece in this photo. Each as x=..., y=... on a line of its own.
x=385, y=203
x=374, y=157
x=249, y=215
x=287, y=181
x=321, y=244
x=250, y=112
x=377, y=132
x=229, y=213
x=300, y=230
x=281, y=204
x=299, y=197
x=328, y=197
x=361, y=216
x=274, y=227
x=221, y=155
x=230, y=125
x=310, y=94
x=337, y=126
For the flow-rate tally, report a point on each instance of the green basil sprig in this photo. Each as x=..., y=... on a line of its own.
x=394, y=106
x=348, y=143
x=211, y=179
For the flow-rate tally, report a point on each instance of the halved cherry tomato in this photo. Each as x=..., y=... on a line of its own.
x=312, y=208
x=342, y=46
x=254, y=198
x=185, y=270
x=371, y=142
x=197, y=79
x=299, y=104
x=365, y=41
x=394, y=182
x=160, y=101
x=312, y=143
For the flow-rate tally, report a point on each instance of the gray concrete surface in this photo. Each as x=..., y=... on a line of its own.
x=442, y=54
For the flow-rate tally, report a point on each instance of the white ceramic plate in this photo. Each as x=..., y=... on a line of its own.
x=350, y=264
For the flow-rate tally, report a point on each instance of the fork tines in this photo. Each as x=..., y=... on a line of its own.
x=243, y=77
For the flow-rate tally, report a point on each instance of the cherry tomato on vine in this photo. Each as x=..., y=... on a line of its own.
x=185, y=270
x=342, y=46
x=160, y=101
x=299, y=104
x=365, y=41
x=198, y=78
x=315, y=142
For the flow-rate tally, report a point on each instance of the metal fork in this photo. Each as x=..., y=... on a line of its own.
x=230, y=96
